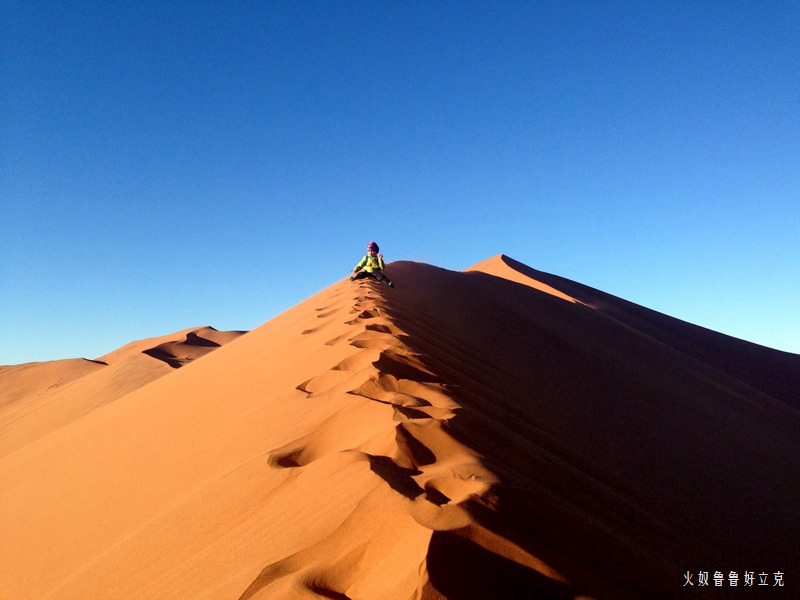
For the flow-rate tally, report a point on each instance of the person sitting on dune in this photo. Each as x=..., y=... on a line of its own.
x=371, y=266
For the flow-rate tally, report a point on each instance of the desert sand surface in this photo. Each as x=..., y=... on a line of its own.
x=37, y=398
x=493, y=433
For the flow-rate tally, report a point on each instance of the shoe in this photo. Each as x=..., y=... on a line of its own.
x=391, y=284
x=352, y=278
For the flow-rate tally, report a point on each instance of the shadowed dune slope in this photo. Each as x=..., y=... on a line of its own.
x=630, y=447
x=494, y=433
x=772, y=371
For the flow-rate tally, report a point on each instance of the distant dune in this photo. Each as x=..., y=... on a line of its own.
x=38, y=398
x=493, y=433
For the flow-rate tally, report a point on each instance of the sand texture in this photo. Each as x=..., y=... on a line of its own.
x=493, y=433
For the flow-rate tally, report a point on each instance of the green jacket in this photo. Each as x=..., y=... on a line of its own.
x=371, y=264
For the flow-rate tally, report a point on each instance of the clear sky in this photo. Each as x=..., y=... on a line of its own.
x=165, y=165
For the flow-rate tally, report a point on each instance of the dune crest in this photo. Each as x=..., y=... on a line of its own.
x=507, y=268
x=396, y=423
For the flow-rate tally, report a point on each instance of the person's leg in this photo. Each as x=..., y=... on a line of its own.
x=378, y=276
x=382, y=278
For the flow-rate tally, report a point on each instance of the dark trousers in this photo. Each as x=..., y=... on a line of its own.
x=377, y=275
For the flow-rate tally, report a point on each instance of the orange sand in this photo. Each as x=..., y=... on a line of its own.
x=463, y=435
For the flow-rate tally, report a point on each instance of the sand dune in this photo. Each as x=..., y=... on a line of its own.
x=38, y=398
x=493, y=433
x=188, y=345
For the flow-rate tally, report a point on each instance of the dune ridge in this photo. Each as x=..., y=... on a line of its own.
x=429, y=476
x=772, y=371
x=493, y=433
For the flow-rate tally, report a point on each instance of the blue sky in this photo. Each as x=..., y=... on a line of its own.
x=166, y=165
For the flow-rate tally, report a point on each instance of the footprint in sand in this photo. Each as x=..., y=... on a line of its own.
x=314, y=329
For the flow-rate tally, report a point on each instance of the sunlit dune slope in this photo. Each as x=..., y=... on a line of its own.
x=494, y=433
x=37, y=398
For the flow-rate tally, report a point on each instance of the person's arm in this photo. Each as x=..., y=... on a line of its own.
x=380, y=262
x=360, y=265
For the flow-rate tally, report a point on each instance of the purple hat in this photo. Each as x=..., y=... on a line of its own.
x=372, y=246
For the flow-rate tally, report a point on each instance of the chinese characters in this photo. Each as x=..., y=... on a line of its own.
x=733, y=579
